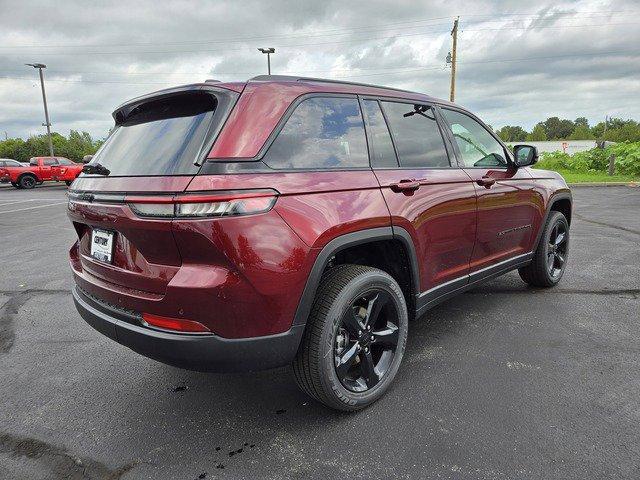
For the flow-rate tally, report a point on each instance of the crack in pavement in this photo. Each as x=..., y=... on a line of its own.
x=58, y=461
x=10, y=309
x=605, y=224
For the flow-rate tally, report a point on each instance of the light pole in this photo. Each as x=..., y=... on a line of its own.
x=268, y=51
x=40, y=66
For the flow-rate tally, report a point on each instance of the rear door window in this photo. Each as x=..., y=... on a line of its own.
x=48, y=162
x=416, y=135
x=321, y=133
x=162, y=136
x=380, y=144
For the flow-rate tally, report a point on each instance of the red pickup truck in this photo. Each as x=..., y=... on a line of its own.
x=41, y=169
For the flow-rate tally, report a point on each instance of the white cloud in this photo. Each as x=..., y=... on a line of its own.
x=518, y=64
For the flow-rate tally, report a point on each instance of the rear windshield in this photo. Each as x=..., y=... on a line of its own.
x=160, y=137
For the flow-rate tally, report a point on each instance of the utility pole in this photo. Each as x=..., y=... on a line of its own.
x=268, y=51
x=454, y=34
x=40, y=66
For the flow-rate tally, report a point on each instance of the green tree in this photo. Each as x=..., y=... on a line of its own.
x=538, y=134
x=74, y=147
x=581, y=121
x=556, y=129
x=510, y=133
x=618, y=130
x=582, y=132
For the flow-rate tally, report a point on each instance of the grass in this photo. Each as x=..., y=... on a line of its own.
x=587, y=177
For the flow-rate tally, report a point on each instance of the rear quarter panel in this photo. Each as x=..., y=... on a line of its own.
x=318, y=206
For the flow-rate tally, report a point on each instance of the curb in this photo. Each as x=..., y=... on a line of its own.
x=605, y=184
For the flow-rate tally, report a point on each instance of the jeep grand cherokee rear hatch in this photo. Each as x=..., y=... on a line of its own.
x=165, y=134
x=153, y=152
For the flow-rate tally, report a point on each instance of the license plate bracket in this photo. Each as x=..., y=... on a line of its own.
x=102, y=245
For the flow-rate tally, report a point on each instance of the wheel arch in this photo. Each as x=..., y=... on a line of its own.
x=27, y=174
x=559, y=202
x=351, y=242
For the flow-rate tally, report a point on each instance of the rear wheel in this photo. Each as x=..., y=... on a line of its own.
x=355, y=338
x=550, y=258
x=27, y=181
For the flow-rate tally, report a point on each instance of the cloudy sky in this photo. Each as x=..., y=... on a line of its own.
x=519, y=62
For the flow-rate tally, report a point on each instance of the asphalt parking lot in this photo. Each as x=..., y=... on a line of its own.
x=501, y=382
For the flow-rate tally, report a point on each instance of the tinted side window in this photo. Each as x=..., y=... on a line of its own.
x=477, y=146
x=65, y=161
x=380, y=144
x=321, y=133
x=417, y=137
x=50, y=161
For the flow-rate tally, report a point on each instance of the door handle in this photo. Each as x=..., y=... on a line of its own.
x=486, y=181
x=406, y=186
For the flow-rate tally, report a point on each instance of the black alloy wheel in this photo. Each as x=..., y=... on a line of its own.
x=366, y=341
x=354, y=339
x=27, y=181
x=550, y=257
x=557, y=250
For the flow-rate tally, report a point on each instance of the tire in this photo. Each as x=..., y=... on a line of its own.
x=550, y=258
x=27, y=181
x=349, y=293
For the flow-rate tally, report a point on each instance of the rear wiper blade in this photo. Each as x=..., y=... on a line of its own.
x=96, y=169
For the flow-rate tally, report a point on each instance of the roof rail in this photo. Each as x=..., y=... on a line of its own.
x=291, y=78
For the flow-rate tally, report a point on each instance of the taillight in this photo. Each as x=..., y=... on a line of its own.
x=204, y=204
x=176, y=324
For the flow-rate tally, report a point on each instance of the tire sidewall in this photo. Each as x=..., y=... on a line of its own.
x=359, y=286
x=27, y=185
x=555, y=218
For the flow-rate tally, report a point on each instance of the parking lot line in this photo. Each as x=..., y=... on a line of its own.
x=33, y=208
x=30, y=200
x=18, y=201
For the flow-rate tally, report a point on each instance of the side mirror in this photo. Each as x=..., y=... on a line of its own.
x=87, y=158
x=525, y=155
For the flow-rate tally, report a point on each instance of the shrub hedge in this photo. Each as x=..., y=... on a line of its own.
x=627, y=159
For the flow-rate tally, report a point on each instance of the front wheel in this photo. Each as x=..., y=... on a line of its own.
x=355, y=338
x=550, y=258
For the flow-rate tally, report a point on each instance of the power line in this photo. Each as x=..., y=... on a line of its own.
x=346, y=30
x=399, y=70
x=209, y=72
x=316, y=44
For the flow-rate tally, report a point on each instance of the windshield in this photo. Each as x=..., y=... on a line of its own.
x=160, y=137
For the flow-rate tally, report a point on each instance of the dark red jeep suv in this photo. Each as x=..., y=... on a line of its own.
x=285, y=220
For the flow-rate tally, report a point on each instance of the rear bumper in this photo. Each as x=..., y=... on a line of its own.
x=193, y=352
